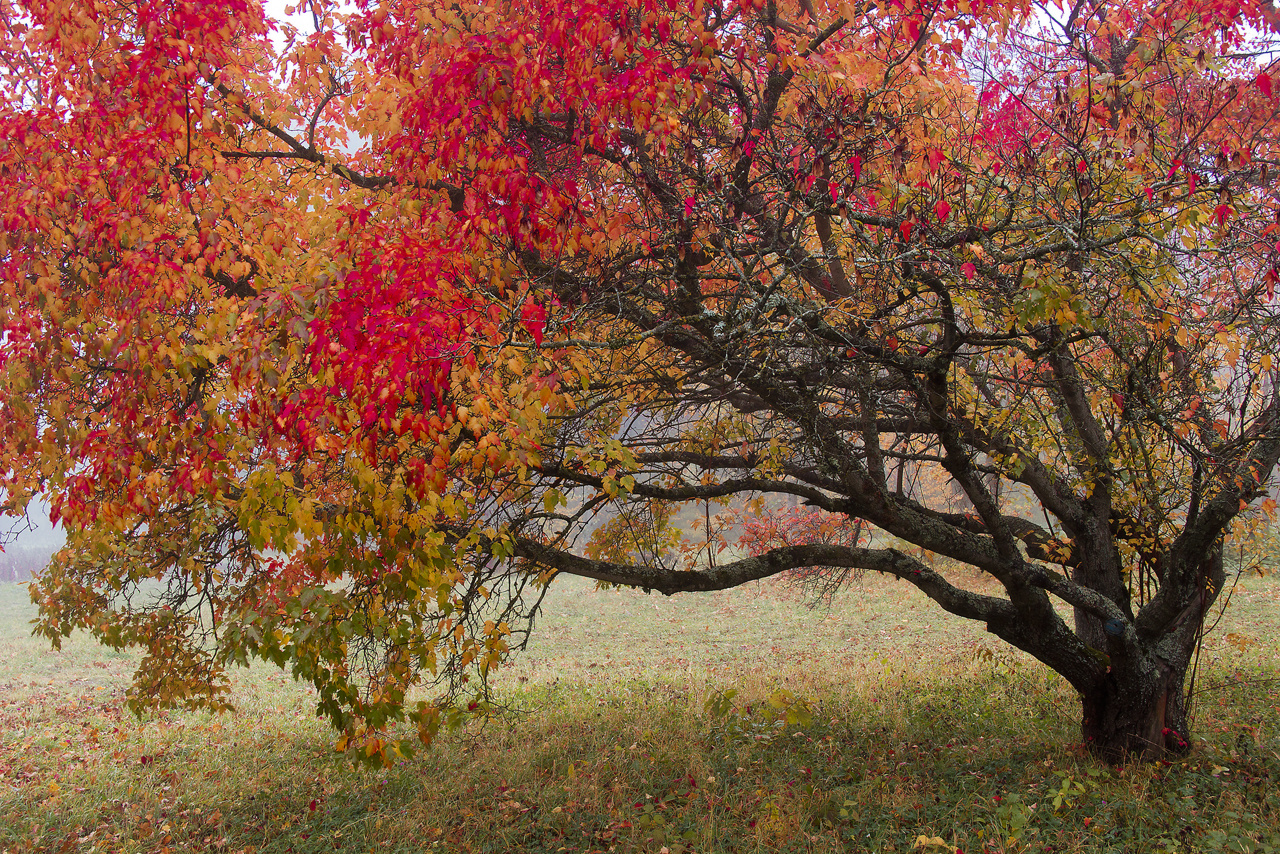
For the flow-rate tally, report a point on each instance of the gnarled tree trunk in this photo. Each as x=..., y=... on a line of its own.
x=1137, y=707
x=1144, y=715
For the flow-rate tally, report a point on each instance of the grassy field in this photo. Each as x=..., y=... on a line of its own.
x=742, y=721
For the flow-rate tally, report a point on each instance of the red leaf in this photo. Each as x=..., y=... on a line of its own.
x=905, y=229
x=1264, y=83
x=969, y=270
x=312, y=806
x=855, y=163
x=1151, y=195
x=534, y=318
x=688, y=207
x=935, y=158
x=942, y=210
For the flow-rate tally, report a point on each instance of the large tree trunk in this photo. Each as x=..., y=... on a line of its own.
x=1137, y=708
x=1144, y=716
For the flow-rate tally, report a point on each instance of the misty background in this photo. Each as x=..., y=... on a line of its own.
x=28, y=543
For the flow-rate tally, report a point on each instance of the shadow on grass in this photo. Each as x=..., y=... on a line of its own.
x=770, y=744
x=986, y=762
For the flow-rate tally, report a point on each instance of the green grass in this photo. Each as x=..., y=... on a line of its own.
x=904, y=723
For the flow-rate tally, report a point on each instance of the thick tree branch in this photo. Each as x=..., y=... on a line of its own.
x=958, y=601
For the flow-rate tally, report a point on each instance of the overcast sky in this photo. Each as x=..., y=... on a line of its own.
x=39, y=534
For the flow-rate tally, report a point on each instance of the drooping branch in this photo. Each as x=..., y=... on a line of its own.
x=957, y=600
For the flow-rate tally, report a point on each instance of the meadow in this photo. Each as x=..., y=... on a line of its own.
x=745, y=721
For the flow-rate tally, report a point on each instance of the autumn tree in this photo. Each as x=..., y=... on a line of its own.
x=332, y=349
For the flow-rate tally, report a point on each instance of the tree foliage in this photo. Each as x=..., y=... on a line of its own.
x=332, y=349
